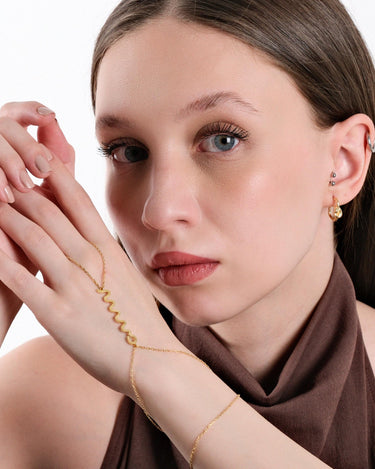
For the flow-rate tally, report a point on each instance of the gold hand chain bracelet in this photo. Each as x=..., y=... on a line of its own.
x=131, y=339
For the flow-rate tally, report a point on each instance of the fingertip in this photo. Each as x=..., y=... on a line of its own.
x=26, y=181
x=42, y=164
x=45, y=111
x=8, y=195
x=53, y=138
x=46, y=152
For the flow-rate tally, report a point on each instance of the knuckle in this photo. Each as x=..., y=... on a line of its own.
x=35, y=236
x=19, y=278
x=7, y=108
x=47, y=210
x=5, y=123
x=82, y=199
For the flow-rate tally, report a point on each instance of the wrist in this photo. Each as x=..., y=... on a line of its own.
x=180, y=393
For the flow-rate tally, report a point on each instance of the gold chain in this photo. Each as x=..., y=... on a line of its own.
x=129, y=336
x=132, y=341
x=139, y=398
x=206, y=428
x=99, y=286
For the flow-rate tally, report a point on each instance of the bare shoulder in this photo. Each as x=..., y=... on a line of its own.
x=367, y=319
x=52, y=413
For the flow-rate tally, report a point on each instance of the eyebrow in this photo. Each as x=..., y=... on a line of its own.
x=212, y=100
x=110, y=121
x=204, y=103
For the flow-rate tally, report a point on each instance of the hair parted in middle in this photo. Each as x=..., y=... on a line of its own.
x=318, y=45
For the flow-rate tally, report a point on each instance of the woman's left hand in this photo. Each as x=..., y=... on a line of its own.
x=67, y=303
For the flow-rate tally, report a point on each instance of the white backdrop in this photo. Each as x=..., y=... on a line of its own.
x=45, y=54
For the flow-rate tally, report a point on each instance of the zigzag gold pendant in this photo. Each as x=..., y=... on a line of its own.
x=130, y=338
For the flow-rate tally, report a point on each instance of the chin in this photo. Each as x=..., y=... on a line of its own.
x=195, y=316
x=194, y=320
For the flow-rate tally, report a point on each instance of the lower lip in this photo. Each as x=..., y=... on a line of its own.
x=179, y=275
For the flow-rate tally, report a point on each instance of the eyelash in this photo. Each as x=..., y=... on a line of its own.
x=215, y=128
x=107, y=149
x=225, y=128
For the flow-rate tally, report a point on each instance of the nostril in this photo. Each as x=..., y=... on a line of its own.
x=163, y=210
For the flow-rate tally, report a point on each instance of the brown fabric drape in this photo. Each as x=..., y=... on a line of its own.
x=324, y=398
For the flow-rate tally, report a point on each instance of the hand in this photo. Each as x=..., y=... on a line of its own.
x=67, y=303
x=18, y=151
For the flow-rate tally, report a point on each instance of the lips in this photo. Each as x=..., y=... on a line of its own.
x=178, y=268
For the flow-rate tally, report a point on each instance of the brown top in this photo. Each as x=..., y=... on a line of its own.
x=324, y=398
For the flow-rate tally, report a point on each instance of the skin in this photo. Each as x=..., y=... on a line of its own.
x=219, y=201
x=234, y=206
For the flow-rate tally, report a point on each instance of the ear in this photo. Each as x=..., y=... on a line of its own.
x=351, y=156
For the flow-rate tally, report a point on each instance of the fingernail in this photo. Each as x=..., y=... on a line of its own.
x=42, y=164
x=44, y=111
x=26, y=180
x=9, y=194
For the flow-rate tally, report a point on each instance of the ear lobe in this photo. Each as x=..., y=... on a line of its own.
x=351, y=155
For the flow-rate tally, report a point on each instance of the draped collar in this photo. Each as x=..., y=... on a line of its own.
x=324, y=397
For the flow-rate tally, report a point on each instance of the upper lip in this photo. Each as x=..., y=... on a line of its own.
x=175, y=258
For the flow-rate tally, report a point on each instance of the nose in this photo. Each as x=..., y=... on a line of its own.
x=171, y=200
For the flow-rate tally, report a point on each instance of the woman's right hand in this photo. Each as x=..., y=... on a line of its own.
x=20, y=153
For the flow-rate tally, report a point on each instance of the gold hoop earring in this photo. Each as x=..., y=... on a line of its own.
x=335, y=211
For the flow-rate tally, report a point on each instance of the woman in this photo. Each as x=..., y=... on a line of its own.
x=231, y=144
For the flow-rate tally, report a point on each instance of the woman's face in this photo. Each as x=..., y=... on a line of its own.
x=213, y=154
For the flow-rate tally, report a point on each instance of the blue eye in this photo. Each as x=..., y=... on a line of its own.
x=218, y=143
x=220, y=137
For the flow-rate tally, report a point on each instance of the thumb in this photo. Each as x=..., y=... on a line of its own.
x=51, y=136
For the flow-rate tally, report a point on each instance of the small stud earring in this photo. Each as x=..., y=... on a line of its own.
x=333, y=176
x=370, y=144
x=335, y=211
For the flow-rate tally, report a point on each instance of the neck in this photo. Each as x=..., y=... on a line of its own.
x=263, y=336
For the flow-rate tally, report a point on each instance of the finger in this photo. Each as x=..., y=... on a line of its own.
x=14, y=252
x=13, y=170
x=27, y=113
x=31, y=154
x=6, y=193
x=48, y=216
x=42, y=251
x=53, y=138
x=76, y=204
x=25, y=286
x=49, y=132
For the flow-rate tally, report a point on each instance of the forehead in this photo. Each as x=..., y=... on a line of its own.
x=167, y=63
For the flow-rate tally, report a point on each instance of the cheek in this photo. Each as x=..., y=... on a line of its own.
x=125, y=208
x=274, y=212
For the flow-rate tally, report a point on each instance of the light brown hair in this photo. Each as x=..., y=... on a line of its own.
x=318, y=45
